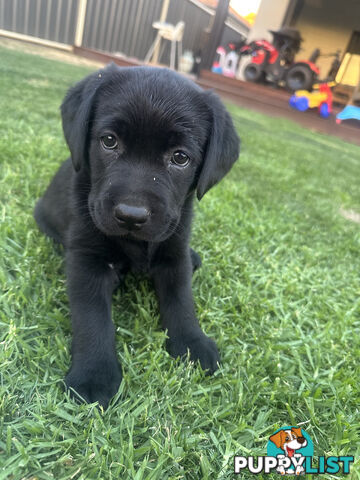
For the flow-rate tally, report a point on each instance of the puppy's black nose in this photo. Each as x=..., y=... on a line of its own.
x=130, y=216
x=301, y=440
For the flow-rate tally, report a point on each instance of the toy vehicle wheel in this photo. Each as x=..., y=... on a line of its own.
x=253, y=72
x=324, y=110
x=300, y=103
x=299, y=77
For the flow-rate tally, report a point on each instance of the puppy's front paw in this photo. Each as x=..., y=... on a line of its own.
x=201, y=348
x=94, y=381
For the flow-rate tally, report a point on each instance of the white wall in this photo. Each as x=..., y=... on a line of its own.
x=269, y=17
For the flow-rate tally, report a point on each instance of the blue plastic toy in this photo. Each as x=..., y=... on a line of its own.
x=320, y=97
x=350, y=111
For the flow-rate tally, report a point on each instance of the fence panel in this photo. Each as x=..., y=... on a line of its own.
x=123, y=26
x=47, y=19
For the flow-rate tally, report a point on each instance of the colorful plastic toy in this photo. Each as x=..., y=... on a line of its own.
x=227, y=58
x=226, y=63
x=349, y=112
x=321, y=98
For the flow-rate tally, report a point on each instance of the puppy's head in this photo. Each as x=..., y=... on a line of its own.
x=148, y=139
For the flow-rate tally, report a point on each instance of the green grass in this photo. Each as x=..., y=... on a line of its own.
x=279, y=290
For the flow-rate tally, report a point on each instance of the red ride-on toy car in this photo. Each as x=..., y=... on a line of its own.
x=275, y=62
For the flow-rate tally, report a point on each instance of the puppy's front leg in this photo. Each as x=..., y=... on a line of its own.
x=95, y=372
x=173, y=287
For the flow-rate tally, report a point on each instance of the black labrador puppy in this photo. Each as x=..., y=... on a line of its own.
x=143, y=140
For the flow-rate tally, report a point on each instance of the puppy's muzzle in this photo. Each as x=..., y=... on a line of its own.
x=131, y=217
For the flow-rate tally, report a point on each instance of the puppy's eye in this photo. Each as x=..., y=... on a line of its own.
x=109, y=142
x=180, y=158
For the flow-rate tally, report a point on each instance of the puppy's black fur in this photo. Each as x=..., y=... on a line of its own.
x=124, y=202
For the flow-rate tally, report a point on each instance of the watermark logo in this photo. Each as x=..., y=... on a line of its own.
x=290, y=446
x=290, y=451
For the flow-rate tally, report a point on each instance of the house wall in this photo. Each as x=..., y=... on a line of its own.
x=328, y=25
x=270, y=16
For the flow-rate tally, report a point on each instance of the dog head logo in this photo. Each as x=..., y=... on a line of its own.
x=289, y=440
x=290, y=445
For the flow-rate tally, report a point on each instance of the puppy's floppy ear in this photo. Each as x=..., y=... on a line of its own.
x=223, y=146
x=76, y=112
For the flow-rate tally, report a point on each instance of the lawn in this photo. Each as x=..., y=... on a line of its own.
x=279, y=290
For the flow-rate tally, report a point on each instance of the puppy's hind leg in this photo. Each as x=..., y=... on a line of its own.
x=52, y=211
x=43, y=224
x=195, y=260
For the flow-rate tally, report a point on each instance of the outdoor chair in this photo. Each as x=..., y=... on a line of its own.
x=167, y=31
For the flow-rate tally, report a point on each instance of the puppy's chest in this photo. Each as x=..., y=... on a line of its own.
x=131, y=256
